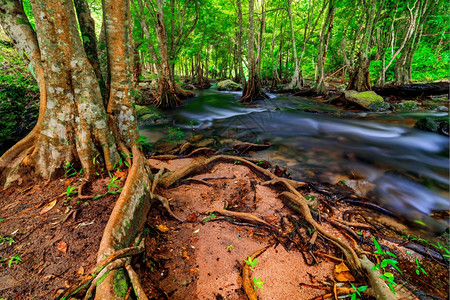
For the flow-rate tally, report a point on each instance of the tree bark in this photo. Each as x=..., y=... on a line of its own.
x=295, y=82
x=87, y=28
x=169, y=94
x=320, y=88
x=359, y=80
x=253, y=89
x=239, y=42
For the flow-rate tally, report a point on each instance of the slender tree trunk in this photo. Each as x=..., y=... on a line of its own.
x=253, y=90
x=323, y=47
x=295, y=81
x=169, y=94
x=239, y=42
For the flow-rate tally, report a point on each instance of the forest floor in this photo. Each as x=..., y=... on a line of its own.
x=49, y=237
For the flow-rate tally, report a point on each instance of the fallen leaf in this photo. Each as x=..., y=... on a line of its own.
x=341, y=268
x=341, y=272
x=62, y=247
x=344, y=276
x=193, y=271
x=48, y=207
x=120, y=174
x=162, y=228
x=80, y=271
x=185, y=255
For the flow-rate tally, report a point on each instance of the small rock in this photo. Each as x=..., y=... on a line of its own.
x=228, y=85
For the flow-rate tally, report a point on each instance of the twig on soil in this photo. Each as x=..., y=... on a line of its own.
x=134, y=278
x=246, y=282
x=165, y=204
x=195, y=180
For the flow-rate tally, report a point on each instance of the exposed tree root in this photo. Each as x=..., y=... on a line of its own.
x=134, y=278
x=110, y=263
x=382, y=291
x=246, y=281
x=244, y=216
x=302, y=203
x=117, y=264
x=202, y=164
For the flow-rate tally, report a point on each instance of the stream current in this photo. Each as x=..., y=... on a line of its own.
x=407, y=169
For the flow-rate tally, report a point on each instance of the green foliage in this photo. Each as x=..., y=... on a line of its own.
x=6, y=239
x=175, y=134
x=356, y=294
x=71, y=190
x=383, y=265
x=210, y=217
x=251, y=262
x=258, y=283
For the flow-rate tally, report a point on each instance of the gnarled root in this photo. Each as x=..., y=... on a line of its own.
x=201, y=164
x=134, y=278
x=379, y=286
x=245, y=216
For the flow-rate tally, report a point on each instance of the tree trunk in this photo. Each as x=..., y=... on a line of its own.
x=359, y=80
x=295, y=82
x=320, y=88
x=253, y=89
x=169, y=94
x=239, y=42
x=87, y=28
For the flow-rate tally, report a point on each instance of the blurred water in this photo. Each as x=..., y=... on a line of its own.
x=318, y=142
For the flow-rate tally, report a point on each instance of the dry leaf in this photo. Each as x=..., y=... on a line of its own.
x=162, y=228
x=344, y=276
x=341, y=268
x=341, y=272
x=80, y=271
x=62, y=247
x=120, y=174
x=185, y=255
x=48, y=207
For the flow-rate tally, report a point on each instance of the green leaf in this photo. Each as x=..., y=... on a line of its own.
x=377, y=245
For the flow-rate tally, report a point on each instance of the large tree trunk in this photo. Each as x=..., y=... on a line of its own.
x=253, y=89
x=87, y=28
x=169, y=94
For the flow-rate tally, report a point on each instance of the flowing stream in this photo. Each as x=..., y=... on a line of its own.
x=408, y=169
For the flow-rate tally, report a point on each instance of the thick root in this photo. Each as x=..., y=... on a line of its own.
x=304, y=209
x=12, y=158
x=134, y=278
x=379, y=286
x=246, y=281
x=244, y=216
x=201, y=164
x=126, y=219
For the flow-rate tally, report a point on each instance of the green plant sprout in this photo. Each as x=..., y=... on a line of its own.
x=144, y=143
x=230, y=247
x=259, y=162
x=210, y=217
x=175, y=134
x=310, y=197
x=111, y=185
x=356, y=294
x=236, y=162
x=6, y=239
x=419, y=268
x=14, y=259
x=251, y=262
x=386, y=276
x=258, y=283
x=71, y=190
x=70, y=170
